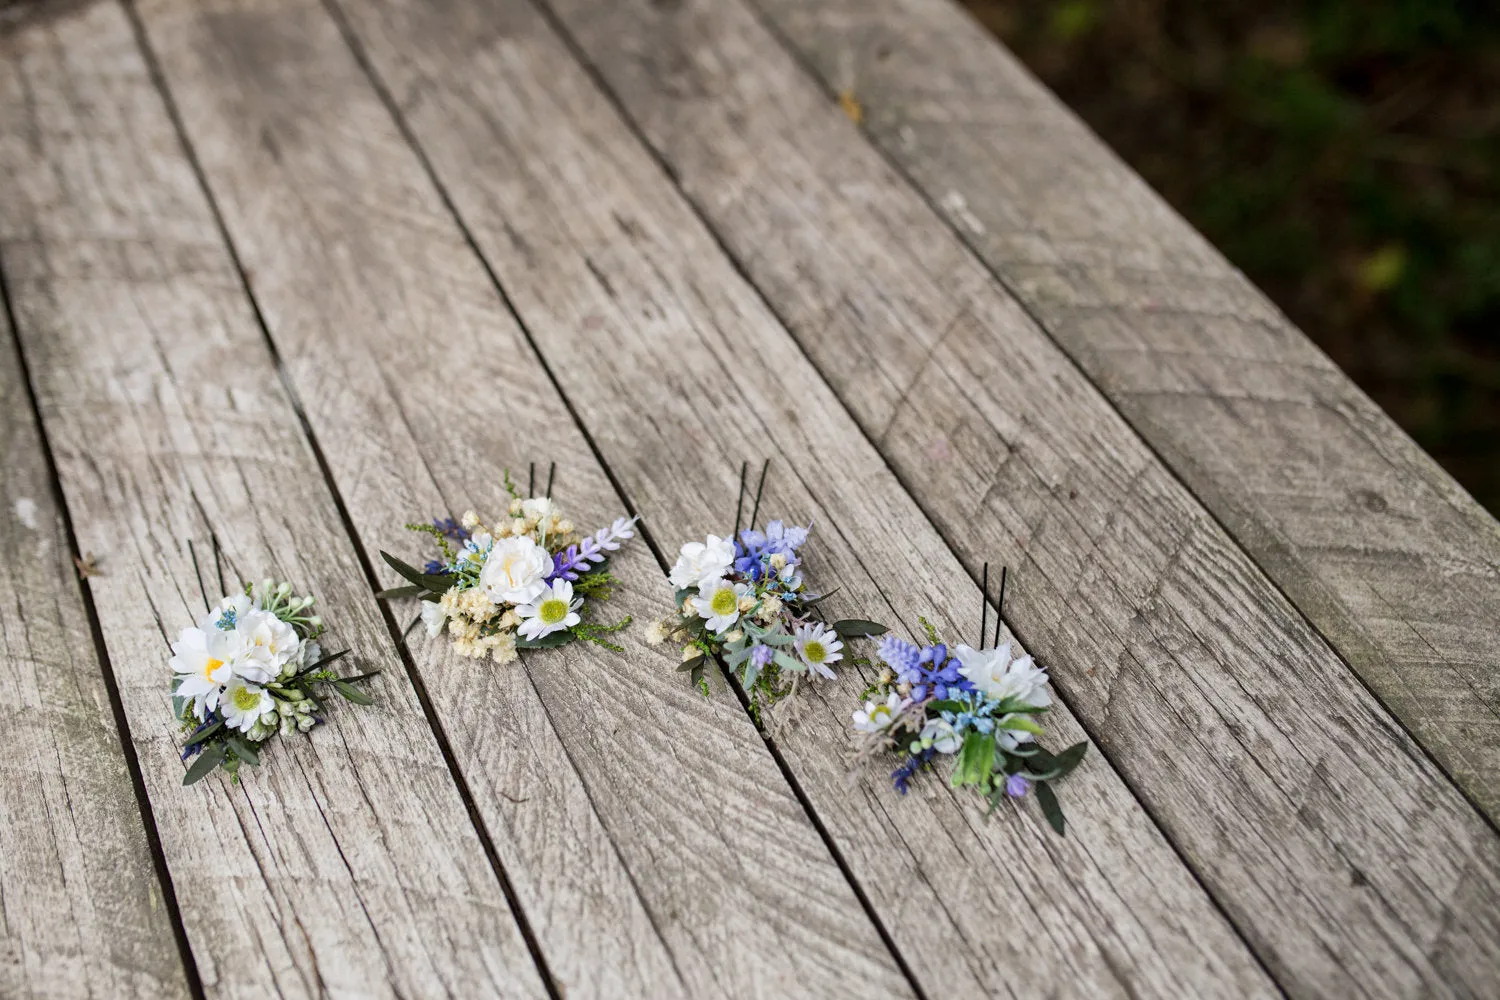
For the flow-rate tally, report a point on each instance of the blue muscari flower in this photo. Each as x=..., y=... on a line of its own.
x=754, y=550
x=903, y=774
x=898, y=654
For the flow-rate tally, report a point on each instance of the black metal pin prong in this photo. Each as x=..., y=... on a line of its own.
x=551, y=471
x=219, y=563
x=531, y=480
x=739, y=500
x=202, y=590
x=1000, y=605
x=755, y=511
x=984, y=605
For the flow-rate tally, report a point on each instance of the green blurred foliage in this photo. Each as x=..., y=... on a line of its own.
x=1344, y=155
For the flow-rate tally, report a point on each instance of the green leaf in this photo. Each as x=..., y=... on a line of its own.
x=205, y=734
x=1070, y=758
x=853, y=628
x=785, y=662
x=360, y=677
x=550, y=641
x=804, y=605
x=209, y=759
x=682, y=594
x=434, y=582
x=1050, y=807
x=976, y=759
x=752, y=674
x=352, y=693
x=934, y=707
x=396, y=593
x=690, y=665
x=244, y=750
x=1022, y=724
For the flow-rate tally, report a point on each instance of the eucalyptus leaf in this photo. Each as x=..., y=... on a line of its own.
x=437, y=583
x=550, y=641
x=360, y=677
x=205, y=734
x=785, y=662
x=752, y=674
x=323, y=662
x=209, y=759
x=352, y=693
x=396, y=593
x=690, y=665
x=244, y=750
x=812, y=602
x=1050, y=807
x=854, y=628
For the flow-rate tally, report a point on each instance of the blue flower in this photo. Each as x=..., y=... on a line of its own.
x=903, y=774
x=1016, y=786
x=451, y=529
x=769, y=553
x=762, y=655
x=898, y=654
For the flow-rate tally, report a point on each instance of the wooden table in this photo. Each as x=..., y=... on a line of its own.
x=289, y=273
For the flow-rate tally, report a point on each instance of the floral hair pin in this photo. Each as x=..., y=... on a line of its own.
x=525, y=582
x=742, y=598
x=248, y=671
x=978, y=706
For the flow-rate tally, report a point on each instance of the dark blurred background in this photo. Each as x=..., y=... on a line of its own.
x=1345, y=155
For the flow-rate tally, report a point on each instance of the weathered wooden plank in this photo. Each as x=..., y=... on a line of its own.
x=680, y=372
x=1228, y=715
x=84, y=913
x=346, y=865
x=675, y=866
x=1387, y=556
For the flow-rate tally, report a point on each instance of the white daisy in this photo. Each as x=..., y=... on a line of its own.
x=553, y=610
x=818, y=646
x=719, y=602
x=202, y=660
x=244, y=704
x=699, y=561
x=877, y=716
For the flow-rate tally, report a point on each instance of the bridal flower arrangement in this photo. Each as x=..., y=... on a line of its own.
x=523, y=581
x=979, y=707
x=742, y=598
x=250, y=670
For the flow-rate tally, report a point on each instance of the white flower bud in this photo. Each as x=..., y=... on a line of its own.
x=470, y=520
x=304, y=723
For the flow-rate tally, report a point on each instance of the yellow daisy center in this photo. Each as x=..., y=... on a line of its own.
x=245, y=700
x=724, y=602
x=552, y=610
x=209, y=666
x=814, y=651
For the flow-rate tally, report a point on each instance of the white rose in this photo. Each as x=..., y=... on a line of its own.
x=700, y=561
x=998, y=676
x=434, y=617
x=515, y=571
x=537, y=508
x=269, y=644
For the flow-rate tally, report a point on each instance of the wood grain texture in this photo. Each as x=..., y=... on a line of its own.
x=1394, y=563
x=649, y=863
x=679, y=372
x=82, y=912
x=1346, y=857
x=346, y=865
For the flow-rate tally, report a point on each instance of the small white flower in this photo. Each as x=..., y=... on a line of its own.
x=553, y=610
x=656, y=633
x=998, y=676
x=538, y=508
x=268, y=643
x=939, y=734
x=818, y=646
x=877, y=716
x=434, y=617
x=243, y=704
x=718, y=601
x=202, y=659
x=515, y=571
x=224, y=615
x=699, y=561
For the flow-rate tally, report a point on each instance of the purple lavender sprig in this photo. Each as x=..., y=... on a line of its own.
x=592, y=550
